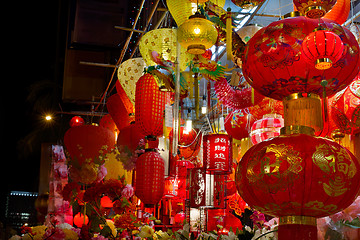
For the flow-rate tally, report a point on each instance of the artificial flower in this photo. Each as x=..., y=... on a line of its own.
x=128, y=191
x=70, y=234
x=146, y=231
x=160, y=235
x=258, y=219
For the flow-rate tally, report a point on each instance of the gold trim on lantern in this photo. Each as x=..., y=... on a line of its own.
x=297, y=129
x=301, y=220
x=196, y=49
x=315, y=12
x=292, y=14
x=301, y=95
x=323, y=63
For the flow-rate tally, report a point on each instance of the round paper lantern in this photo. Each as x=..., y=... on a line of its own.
x=218, y=153
x=322, y=48
x=106, y=202
x=189, y=143
x=247, y=4
x=150, y=178
x=298, y=177
x=164, y=42
x=197, y=34
x=88, y=142
x=107, y=122
x=149, y=106
x=76, y=121
x=340, y=12
x=118, y=111
x=274, y=65
x=130, y=136
x=267, y=127
x=238, y=123
x=129, y=73
x=314, y=8
x=80, y=220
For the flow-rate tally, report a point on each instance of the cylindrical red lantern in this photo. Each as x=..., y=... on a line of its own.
x=88, y=142
x=218, y=153
x=273, y=62
x=238, y=123
x=76, y=121
x=322, y=48
x=299, y=178
x=314, y=8
x=80, y=220
x=150, y=178
x=267, y=127
x=149, y=106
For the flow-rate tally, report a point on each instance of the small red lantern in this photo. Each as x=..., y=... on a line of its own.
x=179, y=217
x=314, y=8
x=149, y=106
x=238, y=123
x=171, y=187
x=76, y=121
x=299, y=178
x=106, y=202
x=267, y=127
x=189, y=143
x=218, y=153
x=80, y=220
x=322, y=48
x=150, y=178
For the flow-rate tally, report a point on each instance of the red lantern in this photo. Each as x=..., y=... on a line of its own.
x=238, y=123
x=88, y=142
x=189, y=143
x=149, y=106
x=274, y=65
x=197, y=189
x=130, y=136
x=314, y=8
x=218, y=153
x=340, y=12
x=179, y=218
x=106, y=202
x=171, y=187
x=299, y=178
x=150, y=178
x=80, y=220
x=247, y=4
x=107, y=122
x=118, y=111
x=266, y=106
x=267, y=127
x=322, y=48
x=76, y=121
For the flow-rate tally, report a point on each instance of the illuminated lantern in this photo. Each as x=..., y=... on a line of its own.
x=118, y=111
x=88, y=142
x=197, y=34
x=149, y=107
x=298, y=177
x=179, y=218
x=189, y=143
x=314, y=8
x=218, y=153
x=247, y=4
x=80, y=220
x=171, y=187
x=267, y=127
x=106, y=202
x=76, y=121
x=273, y=62
x=150, y=178
x=238, y=123
x=322, y=48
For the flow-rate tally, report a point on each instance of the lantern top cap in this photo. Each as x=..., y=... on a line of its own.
x=301, y=95
x=297, y=129
x=197, y=15
x=292, y=14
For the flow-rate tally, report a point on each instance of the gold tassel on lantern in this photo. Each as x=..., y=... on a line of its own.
x=228, y=35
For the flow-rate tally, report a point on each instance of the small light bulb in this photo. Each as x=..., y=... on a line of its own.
x=196, y=30
x=188, y=126
x=203, y=109
x=48, y=117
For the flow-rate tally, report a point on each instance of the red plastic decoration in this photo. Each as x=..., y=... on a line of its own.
x=118, y=111
x=106, y=202
x=218, y=153
x=314, y=8
x=298, y=175
x=322, y=48
x=76, y=121
x=80, y=220
x=88, y=142
x=150, y=178
x=238, y=123
x=267, y=127
x=274, y=65
x=149, y=106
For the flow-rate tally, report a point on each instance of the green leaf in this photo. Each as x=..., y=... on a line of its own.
x=106, y=231
x=137, y=224
x=152, y=218
x=355, y=223
x=133, y=217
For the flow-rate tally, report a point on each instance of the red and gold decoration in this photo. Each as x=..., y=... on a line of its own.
x=298, y=177
x=314, y=8
x=267, y=127
x=76, y=121
x=238, y=124
x=218, y=153
x=247, y=4
x=150, y=178
x=340, y=12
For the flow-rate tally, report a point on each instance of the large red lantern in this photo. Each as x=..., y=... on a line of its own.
x=299, y=178
x=267, y=127
x=149, y=106
x=150, y=178
x=322, y=48
x=88, y=142
x=273, y=62
x=314, y=8
x=218, y=153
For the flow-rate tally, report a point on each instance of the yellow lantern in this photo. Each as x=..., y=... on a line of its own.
x=197, y=34
x=163, y=41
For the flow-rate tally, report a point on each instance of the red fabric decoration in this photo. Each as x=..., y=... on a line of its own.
x=298, y=175
x=150, y=106
x=314, y=8
x=80, y=220
x=150, y=178
x=322, y=48
x=118, y=111
x=218, y=153
x=88, y=142
x=238, y=123
x=266, y=106
x=76, y=121
x=274, y=65
x=267, y=127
